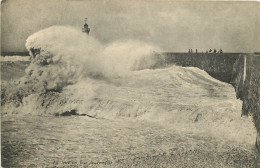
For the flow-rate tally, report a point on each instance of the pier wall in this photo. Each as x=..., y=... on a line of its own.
x=218, y=65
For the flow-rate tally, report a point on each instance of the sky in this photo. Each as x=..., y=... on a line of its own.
x=170, y=25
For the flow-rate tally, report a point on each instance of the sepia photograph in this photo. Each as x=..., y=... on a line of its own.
x=130, y=83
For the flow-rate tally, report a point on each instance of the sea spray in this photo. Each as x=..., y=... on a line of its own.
x=73, y=73
x=63, y=56
x=59, y=44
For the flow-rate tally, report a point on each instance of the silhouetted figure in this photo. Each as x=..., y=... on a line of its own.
x=210, y=50
x=215, y=51
x=220, y=51
x=86, y=29
x=196, y=51
x=191, y=51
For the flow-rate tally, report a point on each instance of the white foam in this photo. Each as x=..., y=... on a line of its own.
x=14, y=58
x=183, y=98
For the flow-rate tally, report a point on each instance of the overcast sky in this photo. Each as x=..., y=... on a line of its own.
x=171, y=25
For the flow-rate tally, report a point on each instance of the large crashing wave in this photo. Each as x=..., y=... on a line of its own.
x=63, y=56
x=74, y=73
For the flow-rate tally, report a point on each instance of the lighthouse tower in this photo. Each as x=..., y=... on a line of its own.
x=86, y=29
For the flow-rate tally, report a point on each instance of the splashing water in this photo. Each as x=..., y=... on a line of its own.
x=72, y=72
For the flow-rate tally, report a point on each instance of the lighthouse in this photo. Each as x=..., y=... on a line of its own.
x=86, y=29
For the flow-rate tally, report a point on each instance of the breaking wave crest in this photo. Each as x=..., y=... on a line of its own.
x=73, y=73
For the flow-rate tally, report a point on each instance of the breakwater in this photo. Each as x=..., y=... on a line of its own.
x=218, y=65
x=246, y=80
x=25, y=53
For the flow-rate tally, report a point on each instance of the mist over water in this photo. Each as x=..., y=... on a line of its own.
x=74, y=72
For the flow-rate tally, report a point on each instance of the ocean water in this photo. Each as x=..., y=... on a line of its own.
x=128, y=113
x=46, y=141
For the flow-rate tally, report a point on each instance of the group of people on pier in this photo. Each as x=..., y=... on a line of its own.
x=208, y=51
